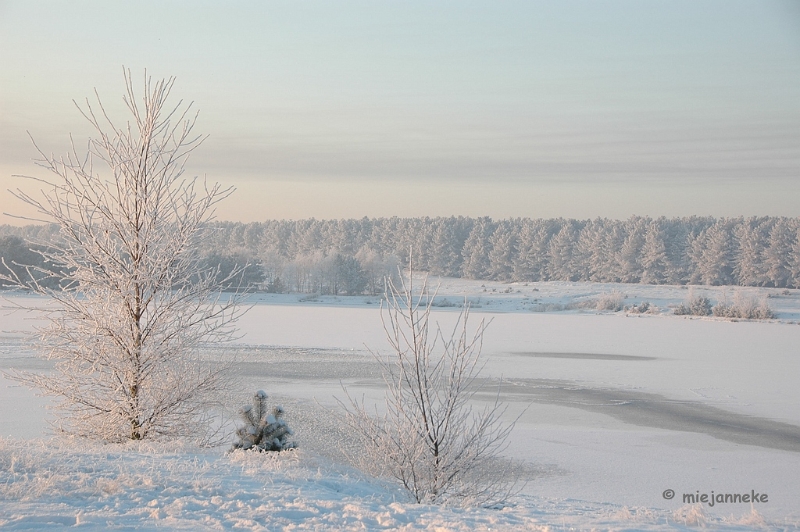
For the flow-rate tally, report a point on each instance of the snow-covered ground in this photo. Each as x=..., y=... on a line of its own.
x=614, y=409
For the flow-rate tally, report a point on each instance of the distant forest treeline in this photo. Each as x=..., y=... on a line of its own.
x=352, y=256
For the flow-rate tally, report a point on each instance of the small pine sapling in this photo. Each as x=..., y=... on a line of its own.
x=263, y=431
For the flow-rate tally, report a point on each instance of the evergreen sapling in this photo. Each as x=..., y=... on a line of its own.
x=263, y=431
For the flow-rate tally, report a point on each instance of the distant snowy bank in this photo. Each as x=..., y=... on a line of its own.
x=567, y=297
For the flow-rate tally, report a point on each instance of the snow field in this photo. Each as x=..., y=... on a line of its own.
x=595, y=391
x=64, y=484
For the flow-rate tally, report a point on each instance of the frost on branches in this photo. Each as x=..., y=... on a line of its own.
x=263, y=431
x=130, y=302
x=431, y=440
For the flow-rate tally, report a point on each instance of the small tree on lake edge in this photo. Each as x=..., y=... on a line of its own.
x=430, y=439
x=263, y=430
x=133, y=302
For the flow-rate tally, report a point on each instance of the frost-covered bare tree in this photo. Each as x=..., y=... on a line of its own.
x=430, y=439
x=133, y=302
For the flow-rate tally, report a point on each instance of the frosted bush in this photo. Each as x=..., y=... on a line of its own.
x=724, y=310
x=691, y=515
x=753, y=519
x=745, y=308
x=263, y=431
x=556, y=307
x=641, y=308
x=694, y=306
x=443, y=303
x=610, y=301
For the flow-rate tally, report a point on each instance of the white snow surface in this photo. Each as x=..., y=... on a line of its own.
x=612, y=409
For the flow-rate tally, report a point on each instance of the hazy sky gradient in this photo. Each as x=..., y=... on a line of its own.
x=350, y=109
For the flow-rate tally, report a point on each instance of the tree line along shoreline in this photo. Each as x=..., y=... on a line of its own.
x=352, y=256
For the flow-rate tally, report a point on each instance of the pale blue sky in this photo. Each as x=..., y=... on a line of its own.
x=350, y=109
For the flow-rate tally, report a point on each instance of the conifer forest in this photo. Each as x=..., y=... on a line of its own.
x=353, y=256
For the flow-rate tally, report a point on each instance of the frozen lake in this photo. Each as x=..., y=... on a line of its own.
x=613, y=408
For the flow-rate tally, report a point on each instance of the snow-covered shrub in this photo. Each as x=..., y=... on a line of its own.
x=745, y=308
x=724, y=310
x=610, y=301
x=691, y=515
x=641, y=308
x=556, y=307
x=694, y=306
x=263, y=431
x=443, y=303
